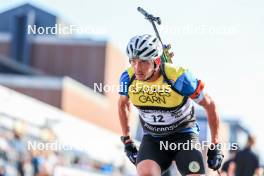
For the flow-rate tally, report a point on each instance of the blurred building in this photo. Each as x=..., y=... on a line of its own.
x=63, y=71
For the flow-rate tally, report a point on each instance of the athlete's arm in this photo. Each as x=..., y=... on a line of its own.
x=213, y=117
x=190, y=86
x=124, y=111
x=124, y=103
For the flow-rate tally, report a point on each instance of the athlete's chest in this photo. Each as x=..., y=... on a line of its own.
x=153, y=94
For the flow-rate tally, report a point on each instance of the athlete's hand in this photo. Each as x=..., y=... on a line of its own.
x=215, y=156
x=130, y=150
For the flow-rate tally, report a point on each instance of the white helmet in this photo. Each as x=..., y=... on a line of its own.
x=145, y=47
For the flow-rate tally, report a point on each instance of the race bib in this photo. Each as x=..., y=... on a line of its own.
x=164, y=122
x=166, y=117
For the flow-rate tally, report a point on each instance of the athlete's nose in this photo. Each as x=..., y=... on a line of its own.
x=137, y=67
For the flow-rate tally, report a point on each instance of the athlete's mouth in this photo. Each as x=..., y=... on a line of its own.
x=139, y=74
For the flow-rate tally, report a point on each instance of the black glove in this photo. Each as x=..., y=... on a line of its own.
x=215, y=157
x=130, y=150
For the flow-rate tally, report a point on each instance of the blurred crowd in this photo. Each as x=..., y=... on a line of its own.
x=17, y=160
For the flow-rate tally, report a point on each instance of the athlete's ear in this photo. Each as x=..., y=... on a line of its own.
x=157, y=63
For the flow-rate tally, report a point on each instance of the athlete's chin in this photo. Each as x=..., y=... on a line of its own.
x=140, y=77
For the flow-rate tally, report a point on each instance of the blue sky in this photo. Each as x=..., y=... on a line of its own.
x=222, y=42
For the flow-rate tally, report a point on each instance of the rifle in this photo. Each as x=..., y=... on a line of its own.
x=166, y=55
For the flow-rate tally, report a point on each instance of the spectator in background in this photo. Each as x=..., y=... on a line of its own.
x=247, y=162
x=35, y=162
x=228, y=168
x=19, y=147
x=2, y=169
